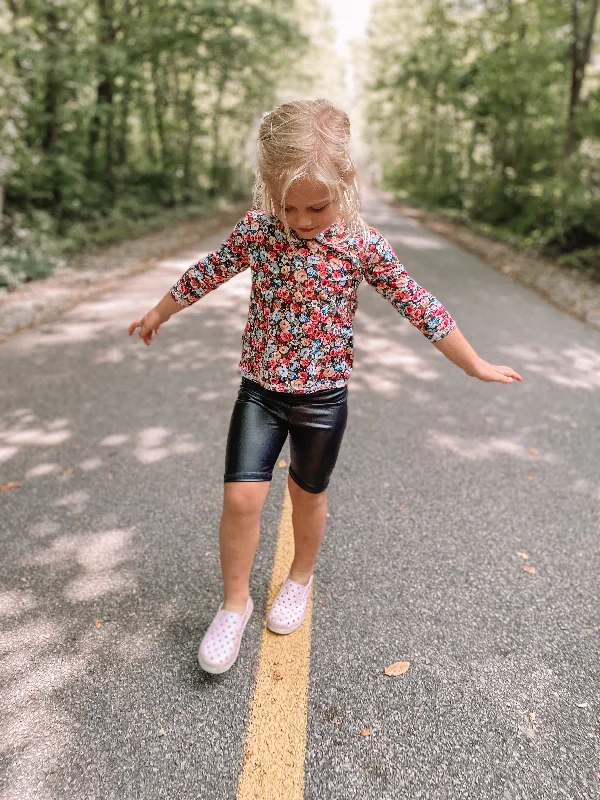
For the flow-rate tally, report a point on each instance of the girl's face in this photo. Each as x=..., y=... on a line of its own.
x=309, y=208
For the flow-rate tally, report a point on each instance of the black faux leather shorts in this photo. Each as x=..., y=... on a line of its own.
x=260, y=422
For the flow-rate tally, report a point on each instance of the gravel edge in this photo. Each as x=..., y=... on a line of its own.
x=564, y=287
x=45, y=300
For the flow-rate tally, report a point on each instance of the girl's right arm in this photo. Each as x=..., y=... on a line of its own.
x=151, y=322
x=205, y=276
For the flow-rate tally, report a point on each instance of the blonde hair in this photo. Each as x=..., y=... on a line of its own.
x=307, y=139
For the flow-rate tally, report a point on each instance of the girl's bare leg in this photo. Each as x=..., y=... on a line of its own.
x=239, y=533
x=309, y=516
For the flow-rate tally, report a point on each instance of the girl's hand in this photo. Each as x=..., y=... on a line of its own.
x=148, y=324
x=490, y=372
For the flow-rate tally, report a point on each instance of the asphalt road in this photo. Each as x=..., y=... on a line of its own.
x=110, y=573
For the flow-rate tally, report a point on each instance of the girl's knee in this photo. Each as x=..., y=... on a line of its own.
x=245, y=498
x=300, y=495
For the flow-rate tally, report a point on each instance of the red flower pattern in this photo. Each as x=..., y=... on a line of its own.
x=299, y=336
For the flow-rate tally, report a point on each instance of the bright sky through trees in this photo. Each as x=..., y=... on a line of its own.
x=350, y=18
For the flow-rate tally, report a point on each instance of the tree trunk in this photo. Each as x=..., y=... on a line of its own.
x=104, y=111
x=121, y=147
x=158, y=109
x=52, y=88
x=581, y=48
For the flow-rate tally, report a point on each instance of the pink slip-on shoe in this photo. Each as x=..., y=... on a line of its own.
x=289, y=607
x=221, y=643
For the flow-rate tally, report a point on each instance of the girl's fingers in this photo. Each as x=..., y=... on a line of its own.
x=509, y=372
x=133, y=326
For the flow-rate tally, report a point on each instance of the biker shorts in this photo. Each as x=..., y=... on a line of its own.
x=260, y=422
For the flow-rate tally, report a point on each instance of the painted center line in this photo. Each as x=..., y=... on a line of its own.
x=273, y=765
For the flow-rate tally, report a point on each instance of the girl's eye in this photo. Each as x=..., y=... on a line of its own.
x=321, y=208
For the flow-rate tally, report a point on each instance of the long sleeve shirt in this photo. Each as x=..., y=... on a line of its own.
x=299, y=337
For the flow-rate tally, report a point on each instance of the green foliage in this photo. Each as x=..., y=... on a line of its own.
x=114, y=110
x=469, y=109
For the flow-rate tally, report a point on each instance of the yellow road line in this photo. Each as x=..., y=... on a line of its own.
x=273, y=765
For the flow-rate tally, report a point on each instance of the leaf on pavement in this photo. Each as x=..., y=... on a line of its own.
x=529, y=569
x=523, y=555
x=67, y=472
x=98, y=623
x=10, y=485
x=398, y=668
x=530, y=477
x=282, y=463
x=365, y=732
x=533, y=451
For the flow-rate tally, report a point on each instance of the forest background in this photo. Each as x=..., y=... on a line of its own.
x=123, y=116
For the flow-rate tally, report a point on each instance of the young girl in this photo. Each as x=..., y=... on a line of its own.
x=308, y=249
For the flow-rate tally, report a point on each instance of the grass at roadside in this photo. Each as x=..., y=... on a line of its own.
x=30, y=250
x=585, y=260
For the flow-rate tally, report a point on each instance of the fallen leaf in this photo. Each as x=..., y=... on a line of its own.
x=67, y=472
x=365, y=732
x=533, y=451
x=399, y=508
x=398, y=668
x=76, y=522
x=282, y=463
x=97, y=623
x=10, y=485
x=109, y=476
x=529, y=569
x=523, y=555
x=76, y=446
x=320, y=602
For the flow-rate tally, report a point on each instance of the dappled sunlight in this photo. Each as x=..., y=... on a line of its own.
x=89, y=464
x=38, y=662
x=35, y=436
x=6, y=453
x=45, y=527
x=586, y=487
x=484, y=448
x=42, y=469
x=572, y=367
x=114, y=440
x=13, y=603
x=155, y=444
x=394, y=357
x=382, y=358
x=421, y=242
x=75, y=501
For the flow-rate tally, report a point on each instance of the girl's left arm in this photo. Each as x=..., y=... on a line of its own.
x=455, y=347
x=383, y=270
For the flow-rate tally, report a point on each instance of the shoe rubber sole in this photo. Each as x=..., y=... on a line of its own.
x=278, y=629
x=218, y=670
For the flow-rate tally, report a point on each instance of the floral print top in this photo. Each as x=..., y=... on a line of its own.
x=298, y=337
